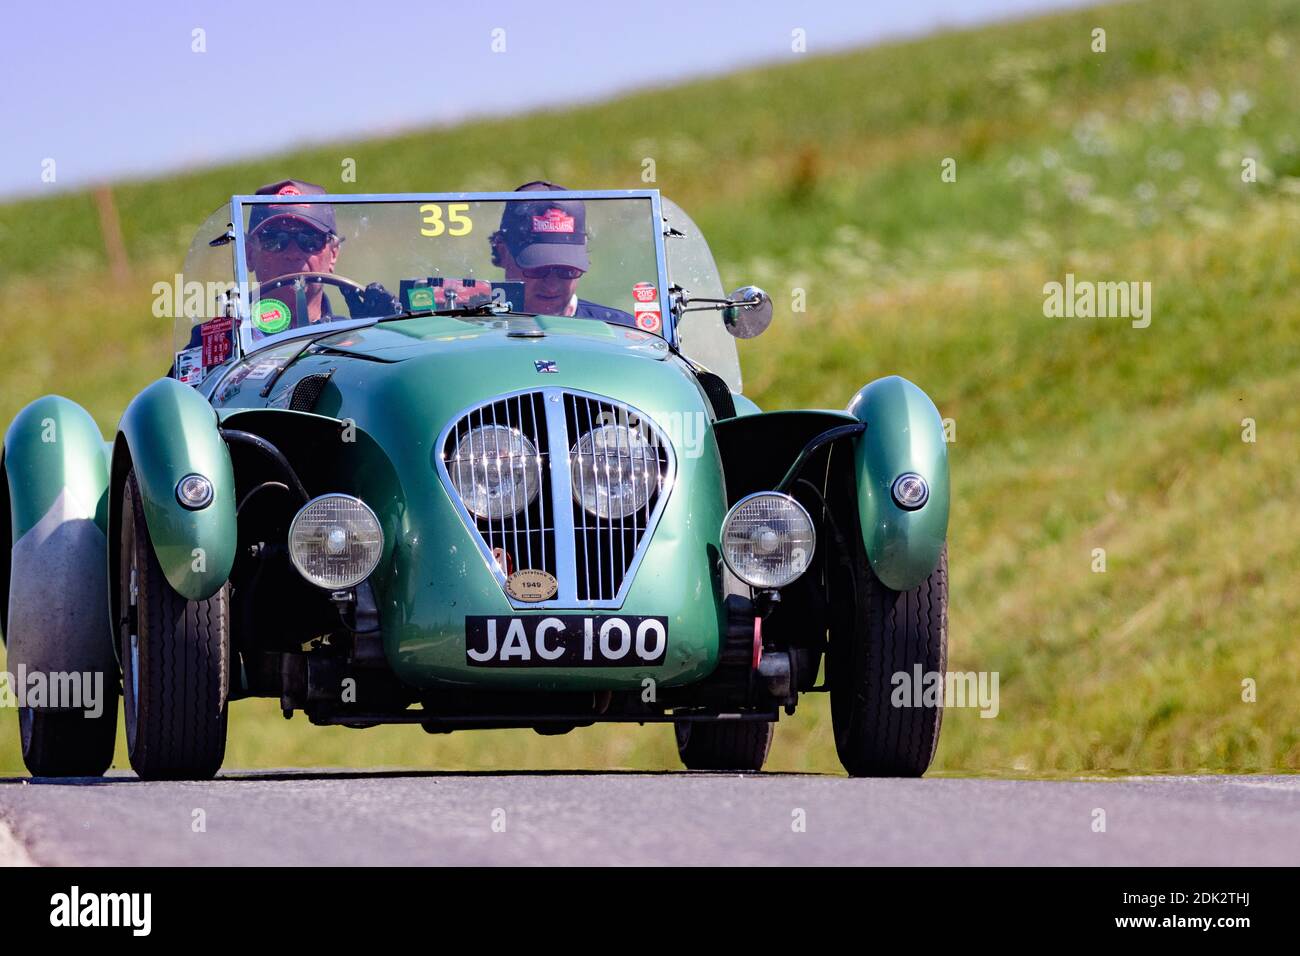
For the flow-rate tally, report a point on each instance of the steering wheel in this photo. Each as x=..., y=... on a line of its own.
x=353, y=292
x=328, y=278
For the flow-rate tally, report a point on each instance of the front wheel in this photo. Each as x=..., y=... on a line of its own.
x=175, y=662
x=723, y=744
x=882, y=644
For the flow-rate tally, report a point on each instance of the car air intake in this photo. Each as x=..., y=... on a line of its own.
x=306, y=393
x=559, y=481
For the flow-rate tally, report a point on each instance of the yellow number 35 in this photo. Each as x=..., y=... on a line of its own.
x=456, y=224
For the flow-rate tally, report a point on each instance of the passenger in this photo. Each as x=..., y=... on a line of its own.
x=543, y=243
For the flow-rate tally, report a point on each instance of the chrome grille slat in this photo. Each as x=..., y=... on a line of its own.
x=562, y=502
x=543, y=457
x=528, y=529
x=474, y=470
x=609, y=532
x=591, y=567
x=585, y=582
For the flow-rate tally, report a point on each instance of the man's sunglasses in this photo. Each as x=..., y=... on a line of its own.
x=310, y=241
x=557, y=272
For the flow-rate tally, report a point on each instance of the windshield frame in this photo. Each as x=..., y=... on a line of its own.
x=244, y=344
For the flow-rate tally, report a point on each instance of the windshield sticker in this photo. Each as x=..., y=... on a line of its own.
x=645, y=292
x=464, y=293
x=189, y=366
x=216, y=342
x=271, y=316
x=419, y=297
x=648, y=316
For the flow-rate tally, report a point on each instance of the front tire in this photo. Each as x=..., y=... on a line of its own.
x=175, y=662
x=884, y=633
x=724, y=744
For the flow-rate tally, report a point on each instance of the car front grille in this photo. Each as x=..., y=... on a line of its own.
x=583, y=442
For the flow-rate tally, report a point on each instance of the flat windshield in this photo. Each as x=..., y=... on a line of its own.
x=312, y=261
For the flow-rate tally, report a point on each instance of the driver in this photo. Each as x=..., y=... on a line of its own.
x=286, y=239
x=290, y=238
x=543, y=243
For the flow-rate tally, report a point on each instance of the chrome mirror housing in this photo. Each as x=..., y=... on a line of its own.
x=749, y=314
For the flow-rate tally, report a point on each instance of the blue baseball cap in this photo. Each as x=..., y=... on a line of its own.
x=318, y=215
x=546, y=232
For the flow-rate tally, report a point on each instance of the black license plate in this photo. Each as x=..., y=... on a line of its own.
x=565, y=640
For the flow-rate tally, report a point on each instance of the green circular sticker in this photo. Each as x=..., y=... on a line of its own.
x=271, y=316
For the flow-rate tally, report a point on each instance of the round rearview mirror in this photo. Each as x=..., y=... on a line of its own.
x=750, y=313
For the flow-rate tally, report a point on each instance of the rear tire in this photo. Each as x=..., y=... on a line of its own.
x=175, y=662
x=67, y=743
x=885, y=633
x=724, y=744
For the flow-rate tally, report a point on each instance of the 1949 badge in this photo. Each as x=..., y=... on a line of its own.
x=530, y=585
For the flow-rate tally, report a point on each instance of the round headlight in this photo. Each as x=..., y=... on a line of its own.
x=910, y=491
x=614, y=470
x=768, y=539
x=496, y=471
x=335, y=541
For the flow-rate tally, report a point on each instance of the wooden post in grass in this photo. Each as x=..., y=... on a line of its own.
x=111, y=228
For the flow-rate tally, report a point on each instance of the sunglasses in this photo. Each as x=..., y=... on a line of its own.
x=310, y=241
x=557, y=272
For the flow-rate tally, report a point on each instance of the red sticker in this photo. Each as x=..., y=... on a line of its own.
x=216, y=342
x=555, y=220
x=465, y=292
x=650, y=321
x=645, y=292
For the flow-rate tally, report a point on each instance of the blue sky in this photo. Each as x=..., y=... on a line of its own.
x=112, y=90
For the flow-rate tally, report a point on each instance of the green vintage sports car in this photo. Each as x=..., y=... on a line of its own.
x=470, y=461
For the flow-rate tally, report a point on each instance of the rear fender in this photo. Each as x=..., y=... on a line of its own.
x=904, y=434
x=53, y=587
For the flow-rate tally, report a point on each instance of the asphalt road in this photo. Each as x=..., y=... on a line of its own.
x=300, y=818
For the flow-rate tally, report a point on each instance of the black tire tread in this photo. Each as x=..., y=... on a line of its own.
x=897, y=631
x=69, y=744
x=727, y=745
x=184, y=668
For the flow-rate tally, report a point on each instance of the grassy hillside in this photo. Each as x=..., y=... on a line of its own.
x=823, y=175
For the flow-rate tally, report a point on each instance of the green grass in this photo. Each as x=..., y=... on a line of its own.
x=1072, y=434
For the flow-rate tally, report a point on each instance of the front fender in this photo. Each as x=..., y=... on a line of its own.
x=166, y=433
x=53, y=591
x=904, y=433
